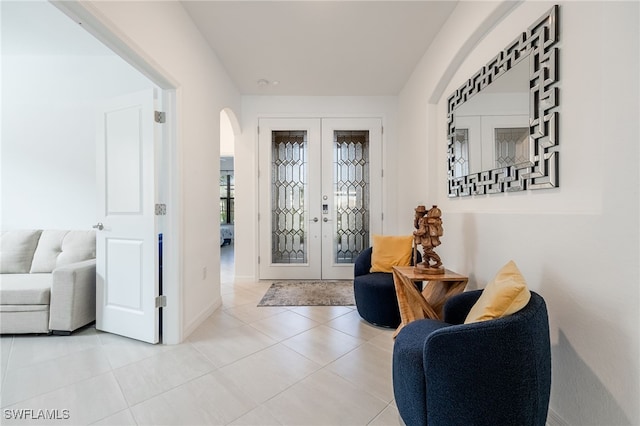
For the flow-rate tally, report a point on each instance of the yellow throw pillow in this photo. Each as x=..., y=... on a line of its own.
x=505, y=295
x=389, y=251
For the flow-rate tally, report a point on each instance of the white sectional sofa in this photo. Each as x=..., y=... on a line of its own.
x=47, y=281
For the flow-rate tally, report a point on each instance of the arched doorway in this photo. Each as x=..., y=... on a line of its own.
x=228, y=129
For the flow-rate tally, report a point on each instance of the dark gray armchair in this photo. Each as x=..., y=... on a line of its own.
x=375, y=293
x=493, y=373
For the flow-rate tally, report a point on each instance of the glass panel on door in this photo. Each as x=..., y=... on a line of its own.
x=289, y=182
x=351, y=194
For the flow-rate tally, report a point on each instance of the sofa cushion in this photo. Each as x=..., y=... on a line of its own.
x=58, y=248
x=25, y=289
x=505, y=295
x=16, y=250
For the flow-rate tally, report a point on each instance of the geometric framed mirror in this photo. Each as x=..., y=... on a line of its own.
x=503, y=122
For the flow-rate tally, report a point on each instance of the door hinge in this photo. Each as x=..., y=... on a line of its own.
x=258, y=260
x=161, y=209
x=382, y=130
x=381, y=216
x=381, y=173
x=161, y=301
x=258, y=127
x=159, y=116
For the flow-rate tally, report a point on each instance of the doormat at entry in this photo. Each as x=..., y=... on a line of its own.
x=309, y=293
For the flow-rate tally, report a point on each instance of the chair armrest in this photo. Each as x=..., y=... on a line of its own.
x=362, y=263
x=73, y=296
x=457, y=308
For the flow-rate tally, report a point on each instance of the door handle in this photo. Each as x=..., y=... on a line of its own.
x=99, y=226
x=325, y=219
x=315, y=219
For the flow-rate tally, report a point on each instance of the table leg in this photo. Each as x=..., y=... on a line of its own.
x=411, y=302
x=436, y=293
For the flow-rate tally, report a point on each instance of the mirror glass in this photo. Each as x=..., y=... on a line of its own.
x=502, y=122
x=492, y=127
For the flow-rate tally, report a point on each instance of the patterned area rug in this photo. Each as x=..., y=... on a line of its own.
x=309, y=293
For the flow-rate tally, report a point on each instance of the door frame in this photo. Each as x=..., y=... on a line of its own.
x=171, y=177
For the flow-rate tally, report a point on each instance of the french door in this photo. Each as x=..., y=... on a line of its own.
x=319, y=195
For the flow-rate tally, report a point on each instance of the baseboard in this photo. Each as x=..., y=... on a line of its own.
x=553, y=419
x=201, y=317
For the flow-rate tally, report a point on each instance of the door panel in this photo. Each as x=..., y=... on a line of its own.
x=352, y=182
x=289, y=220
x=317, y=209
x=126, y=251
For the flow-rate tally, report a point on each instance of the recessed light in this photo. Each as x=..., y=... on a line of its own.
x=263, y=82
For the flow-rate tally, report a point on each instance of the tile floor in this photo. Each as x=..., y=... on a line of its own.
x=244, y=366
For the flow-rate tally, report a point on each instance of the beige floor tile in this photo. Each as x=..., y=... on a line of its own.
x=352, y=324
x=218, y=321
x=258, y=416
x=227, y=346
x=323, y=344
x=85, y=402
x=325, y=399
x=250, y=313
x=122, y=351
x=389, y=417
x=209, y=400
x=121, y=418
x=36, y=379
x=33, y=349
x=152, y=376
x=322, y=314
x=238, y=297
x=284, y=325
x=369, y=368
x=6, y=342
x=384, y=340
x=268, y=372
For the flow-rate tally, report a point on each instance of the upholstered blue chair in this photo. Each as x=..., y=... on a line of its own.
x=375, y=293
x=495, y=372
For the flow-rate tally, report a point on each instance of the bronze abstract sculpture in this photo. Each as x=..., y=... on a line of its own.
x=428, y=224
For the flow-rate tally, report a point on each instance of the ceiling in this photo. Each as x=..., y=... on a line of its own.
x=319, y=48
x=310, y=48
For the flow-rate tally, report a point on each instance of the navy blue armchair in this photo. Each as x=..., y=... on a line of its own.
x=493, y=373
x=375, y=293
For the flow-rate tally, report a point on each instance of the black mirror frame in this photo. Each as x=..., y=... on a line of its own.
x=538, y=42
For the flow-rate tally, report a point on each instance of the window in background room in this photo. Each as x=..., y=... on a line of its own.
x=226, y=196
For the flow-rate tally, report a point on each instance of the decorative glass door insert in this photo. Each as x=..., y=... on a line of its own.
x=351, y=194
x=289, y=183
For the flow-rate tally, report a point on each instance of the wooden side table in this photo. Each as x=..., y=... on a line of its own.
x=428, y=303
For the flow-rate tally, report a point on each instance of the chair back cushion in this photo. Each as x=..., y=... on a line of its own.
x=16, y=250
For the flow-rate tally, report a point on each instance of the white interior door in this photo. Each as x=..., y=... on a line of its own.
x=320, y=195
x=126, y=252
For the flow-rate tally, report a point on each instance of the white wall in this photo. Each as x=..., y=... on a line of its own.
x=246, y=160
x=49, y=135
x=577, y=245
x=166, y=37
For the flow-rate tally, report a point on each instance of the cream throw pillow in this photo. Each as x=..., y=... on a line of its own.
x=505, y=295
x=389, y=251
